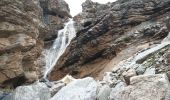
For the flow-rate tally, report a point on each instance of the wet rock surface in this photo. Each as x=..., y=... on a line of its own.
x=37, y=91
x=103, y=30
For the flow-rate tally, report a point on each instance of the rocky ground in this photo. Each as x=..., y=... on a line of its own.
x=121, y=52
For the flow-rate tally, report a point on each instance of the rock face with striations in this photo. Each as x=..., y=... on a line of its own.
x=23, y=26
x=105, y=29
x=21, y=31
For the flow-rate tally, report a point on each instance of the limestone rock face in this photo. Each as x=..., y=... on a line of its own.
x=145, y=87
x=103, y=30
x=21, y=40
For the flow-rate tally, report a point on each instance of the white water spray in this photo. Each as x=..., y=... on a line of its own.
x=59, y=46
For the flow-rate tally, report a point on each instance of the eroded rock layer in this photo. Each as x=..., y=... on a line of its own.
x=21, y=31
x=103, y=30
x=24, y=25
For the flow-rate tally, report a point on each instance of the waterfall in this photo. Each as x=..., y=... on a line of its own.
x=59, y=46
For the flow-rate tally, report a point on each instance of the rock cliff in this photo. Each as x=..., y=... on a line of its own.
x=124, y=45
x=24, y=26
x=21, y=43
x=104, y=30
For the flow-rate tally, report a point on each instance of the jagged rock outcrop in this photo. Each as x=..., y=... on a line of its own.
x=55, y=14
x=21, y=43
x=104, y=30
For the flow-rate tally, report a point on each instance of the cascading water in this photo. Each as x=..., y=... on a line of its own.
x=59, y=46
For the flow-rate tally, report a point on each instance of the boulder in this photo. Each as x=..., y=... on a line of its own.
x=114, y=92
x=104, y=93
x=80, y=89
x=145, y=87
x=140, y=70
x=56, y=87
x=127, y=75
x=1, y=95
x=150, y=71
x=67, y=79
x=110, y=78
x=37, y=91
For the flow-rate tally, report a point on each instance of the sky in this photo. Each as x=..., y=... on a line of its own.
x=75, y=5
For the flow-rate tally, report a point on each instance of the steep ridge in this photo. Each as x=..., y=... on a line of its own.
x=106, y=29
x=26, y=28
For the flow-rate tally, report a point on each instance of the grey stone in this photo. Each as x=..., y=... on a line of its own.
x=80, y=89
x=119, y=87
x=140, y=70
x=104, y=93
x=37, y=91
x=150, y=71
x=56, y=87
x=127, y=75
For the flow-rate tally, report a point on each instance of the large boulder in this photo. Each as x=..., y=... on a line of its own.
x=144, y=87
x=37, y=91
x=80, y=89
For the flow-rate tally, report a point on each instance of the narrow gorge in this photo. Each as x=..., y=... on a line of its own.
x=119, y=50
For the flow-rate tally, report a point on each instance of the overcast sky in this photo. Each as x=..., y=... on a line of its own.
x=75, y=5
